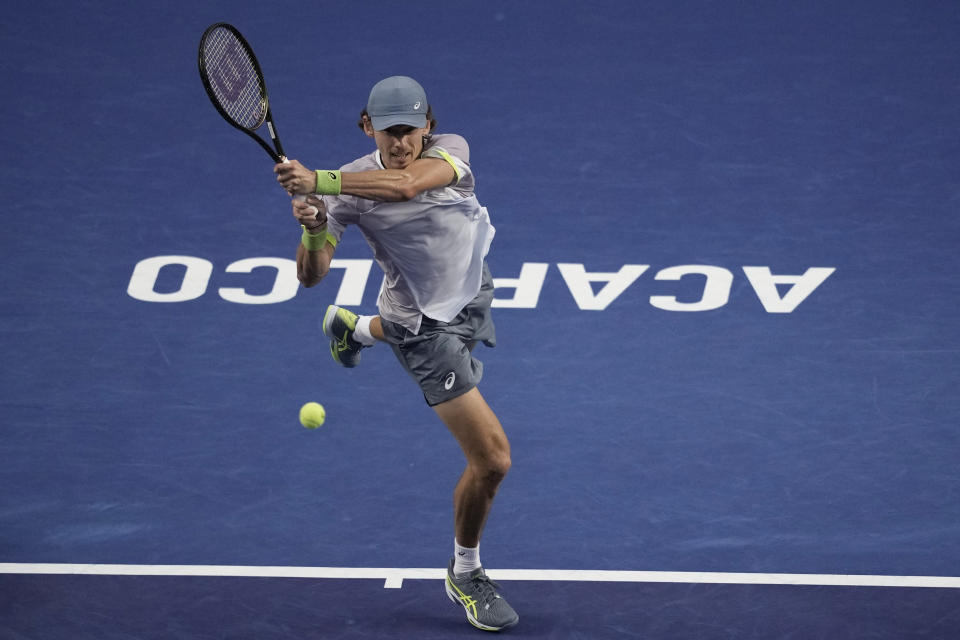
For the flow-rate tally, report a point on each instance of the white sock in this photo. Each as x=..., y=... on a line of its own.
x=466, y=558
x=362, y=333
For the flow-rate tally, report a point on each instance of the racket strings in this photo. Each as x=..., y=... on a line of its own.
x=234, y=79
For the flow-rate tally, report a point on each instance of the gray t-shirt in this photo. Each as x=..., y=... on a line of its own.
x=431, y=248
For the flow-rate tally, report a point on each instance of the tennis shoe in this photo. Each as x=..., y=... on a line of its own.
x=339, y=325
x=486, y=609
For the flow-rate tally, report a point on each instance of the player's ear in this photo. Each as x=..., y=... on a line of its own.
x=367, y=126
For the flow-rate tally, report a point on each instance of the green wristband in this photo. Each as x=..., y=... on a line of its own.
x=328, y=182
x=314, y=241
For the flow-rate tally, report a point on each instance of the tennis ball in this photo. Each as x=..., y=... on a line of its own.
x=312, y=415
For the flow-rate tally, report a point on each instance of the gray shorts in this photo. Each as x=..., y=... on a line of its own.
x=439, y=358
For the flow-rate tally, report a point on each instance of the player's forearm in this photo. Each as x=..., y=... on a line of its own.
x=313, y=266
x=397, y=185
x=382, y=186
x=388, y=185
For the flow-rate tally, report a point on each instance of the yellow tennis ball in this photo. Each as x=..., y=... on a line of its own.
x=312, y=415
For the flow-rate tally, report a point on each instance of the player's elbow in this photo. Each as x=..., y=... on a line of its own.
x=406, y=188
x=311, y=275
x=405, y=194
x=308, y=281
x=312, y=278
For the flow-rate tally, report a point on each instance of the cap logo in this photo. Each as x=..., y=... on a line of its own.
x=416, y=106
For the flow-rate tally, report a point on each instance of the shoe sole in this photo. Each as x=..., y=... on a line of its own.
x=456, y=600
x=328, y=318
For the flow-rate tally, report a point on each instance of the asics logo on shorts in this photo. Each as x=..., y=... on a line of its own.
x=449, y=380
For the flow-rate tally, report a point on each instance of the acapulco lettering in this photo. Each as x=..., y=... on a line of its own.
x=696, y=288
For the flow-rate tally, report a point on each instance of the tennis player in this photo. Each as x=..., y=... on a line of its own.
x=413, y=201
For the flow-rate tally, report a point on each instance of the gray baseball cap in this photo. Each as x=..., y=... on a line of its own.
x=397, y=100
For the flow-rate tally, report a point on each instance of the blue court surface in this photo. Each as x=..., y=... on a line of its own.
x=728, y=319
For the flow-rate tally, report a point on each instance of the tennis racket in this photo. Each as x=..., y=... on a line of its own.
x=234, y=81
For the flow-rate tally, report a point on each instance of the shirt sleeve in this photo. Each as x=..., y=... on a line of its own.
x=456, y=152
x=335, y=227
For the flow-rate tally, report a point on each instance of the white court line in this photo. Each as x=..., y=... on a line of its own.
x=393, y=578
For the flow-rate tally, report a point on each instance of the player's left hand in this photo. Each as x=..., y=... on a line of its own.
x=295, y=178
x=310, y=213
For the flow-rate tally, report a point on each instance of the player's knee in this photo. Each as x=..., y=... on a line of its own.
x=496, y=467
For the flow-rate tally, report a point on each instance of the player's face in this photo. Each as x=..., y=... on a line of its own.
x=400, y=145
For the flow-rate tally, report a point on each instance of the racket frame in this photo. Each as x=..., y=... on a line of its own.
x=277, y=154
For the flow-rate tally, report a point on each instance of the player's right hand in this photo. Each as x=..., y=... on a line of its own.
x=311, y=212
x=295, y=178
